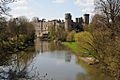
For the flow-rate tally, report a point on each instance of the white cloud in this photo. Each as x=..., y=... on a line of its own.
x=21, y=3
x=84, y=2
x=21, y=8
x=58, y=1
x=86, y=6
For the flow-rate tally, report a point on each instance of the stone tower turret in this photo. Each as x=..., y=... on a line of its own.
x=77, y=20
x=86, y=18
x=68, y=20
x=81, y=20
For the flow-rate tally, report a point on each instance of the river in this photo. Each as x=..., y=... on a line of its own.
x=49, y=61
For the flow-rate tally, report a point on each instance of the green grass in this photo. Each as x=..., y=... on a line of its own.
x=77, y=50
x=72, y=45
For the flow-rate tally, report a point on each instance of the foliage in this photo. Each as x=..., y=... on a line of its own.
x=107, y=51
x=110, y=9
x=70, y=36
x=57, y=33
x=16, y=35
x=61, y=34
x=76, y=49
x=52, y=32
x=21, y=25
x=83, y=39
x=105, y=29
x=81, y=45
x=2, y=28
x=16, y=32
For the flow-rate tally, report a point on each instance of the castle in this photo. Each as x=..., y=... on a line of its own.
x=42, y=27
x=77, y=25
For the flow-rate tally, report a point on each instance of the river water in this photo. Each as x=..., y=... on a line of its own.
x=50, y=61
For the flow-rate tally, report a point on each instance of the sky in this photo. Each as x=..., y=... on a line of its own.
x=51, y=9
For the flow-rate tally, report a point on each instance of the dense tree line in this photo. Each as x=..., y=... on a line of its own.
x=16, y=33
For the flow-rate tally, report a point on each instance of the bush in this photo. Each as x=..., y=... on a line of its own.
x=70, y=36
x=84, y=40
x=58, y=35
x=107, y=52
x=106, y=44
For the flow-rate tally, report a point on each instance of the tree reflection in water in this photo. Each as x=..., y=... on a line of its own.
x=33, y=63
x=45, y=46
x=18, y=66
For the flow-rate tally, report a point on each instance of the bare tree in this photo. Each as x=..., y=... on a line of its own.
x=35, y=19
x=111, y=10
x=3, y=6
x=106, y=36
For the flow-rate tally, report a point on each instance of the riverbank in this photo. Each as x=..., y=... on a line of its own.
x=15, y=46
x=73, y=46
x=82, y=53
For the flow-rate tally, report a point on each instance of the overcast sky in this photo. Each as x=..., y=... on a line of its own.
x=51, y=9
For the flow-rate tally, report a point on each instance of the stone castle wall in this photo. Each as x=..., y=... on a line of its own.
x=42, y=27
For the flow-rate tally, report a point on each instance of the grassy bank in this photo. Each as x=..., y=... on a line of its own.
x=73, y=46
x=81, y=53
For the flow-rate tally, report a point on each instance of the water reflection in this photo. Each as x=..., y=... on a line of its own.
x=92, y=72
x=68, y=57
x=5, y=60
x=14, y=66
x=41, y=46
x=49, y=61
x=45, y=46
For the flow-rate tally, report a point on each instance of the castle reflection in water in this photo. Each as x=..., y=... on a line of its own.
x=44, y=46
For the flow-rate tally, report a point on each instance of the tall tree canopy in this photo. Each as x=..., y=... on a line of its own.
x=110, y=8
x=111, y=11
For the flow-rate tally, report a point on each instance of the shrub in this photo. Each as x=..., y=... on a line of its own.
x=84, y=40
x=70, y=36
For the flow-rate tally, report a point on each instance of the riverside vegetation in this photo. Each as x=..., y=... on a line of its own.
x=101, y=38
x=15, y=34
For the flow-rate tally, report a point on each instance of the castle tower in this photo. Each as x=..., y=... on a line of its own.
x=86, y=18
x=80, y=20
x=77, y=20
x=68, y=20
